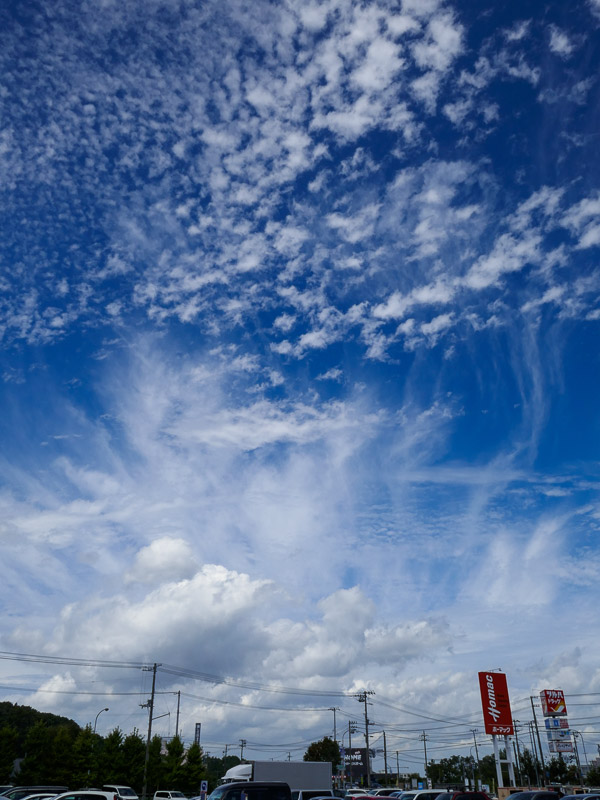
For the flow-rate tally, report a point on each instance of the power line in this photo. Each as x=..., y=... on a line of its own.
x=216, y=679
x=248, y=705
x=78, y=662
x=72, y=691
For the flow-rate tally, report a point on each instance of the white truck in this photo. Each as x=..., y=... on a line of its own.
x=299, y=775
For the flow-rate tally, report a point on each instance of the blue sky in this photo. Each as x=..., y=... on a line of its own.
x=300, y=308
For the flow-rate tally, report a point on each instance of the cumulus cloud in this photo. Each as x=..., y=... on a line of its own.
x=164, y=559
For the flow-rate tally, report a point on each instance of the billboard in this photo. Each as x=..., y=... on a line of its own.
x=559, y=735
x=556, y=722
x=553, y=703
x=497, y=716
x=560, y=747
x=355, y=761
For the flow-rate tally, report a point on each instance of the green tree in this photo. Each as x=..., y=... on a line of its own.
x=173, y=763
x=155, y=765
x=530, y=768
x=324, y=750
x=193, y=771
x=450, y=771
x=134, y=755
x=62, y=756
x=9, y=750
x=593, y=776
x=557, y=769
x=84, y=758
x=23, y=718
x=110, y=758
x=487, y=770
x=37, y=763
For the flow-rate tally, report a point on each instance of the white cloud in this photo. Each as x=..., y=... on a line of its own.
x=162, y=560
x=560, y=42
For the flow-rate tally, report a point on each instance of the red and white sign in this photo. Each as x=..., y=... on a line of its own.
x=497, y=716
x=553, y=703
x=560, y=747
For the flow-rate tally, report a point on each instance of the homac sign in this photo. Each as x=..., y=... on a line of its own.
x=497, y=715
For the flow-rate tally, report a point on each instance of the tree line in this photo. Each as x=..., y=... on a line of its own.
x=456, y=770
x=61, y=755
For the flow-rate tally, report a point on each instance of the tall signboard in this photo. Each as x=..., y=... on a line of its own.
x=553, y=703
x=554, y=709
x=355, y=762
x=497, y=719
x=497, y=716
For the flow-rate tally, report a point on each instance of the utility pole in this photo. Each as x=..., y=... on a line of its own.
x=243, y=744
x=351, y=730
x=535, y=753
x=423, y=738
x=362, y=698
x=177, y=717
x=474, y=731
x=518, y=751
x=577, y=757
x=150, y=706
x=397, y=770
x=385, y=757
x=334, y=709
x=539, y=742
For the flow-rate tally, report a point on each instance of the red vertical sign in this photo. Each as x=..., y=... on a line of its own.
x=495, y=702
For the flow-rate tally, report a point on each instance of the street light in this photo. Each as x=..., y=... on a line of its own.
x=97, y=715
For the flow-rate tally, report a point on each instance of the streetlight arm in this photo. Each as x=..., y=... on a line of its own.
x=97, y=715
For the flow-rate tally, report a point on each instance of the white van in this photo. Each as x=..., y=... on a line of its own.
x=122, y=792
x=169, y=794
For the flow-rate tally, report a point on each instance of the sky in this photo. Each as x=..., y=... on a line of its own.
x=299, y=372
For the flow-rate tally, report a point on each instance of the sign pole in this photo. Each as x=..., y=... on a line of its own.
x=498, y=764
x=509, y=756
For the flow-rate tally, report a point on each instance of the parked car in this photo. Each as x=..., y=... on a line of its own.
x=41, y=796
x=532, y=794
x=385, y=792
x=590, y=796
x=87, y=794
x=252, y=790
x=466, y=796
x=311, y=794
x=20, y=792
x=425, y=794
x=122, y=792
x=169, y=794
